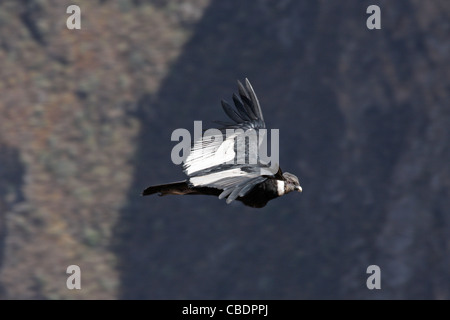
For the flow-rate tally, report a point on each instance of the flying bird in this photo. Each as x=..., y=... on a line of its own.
x=210, y=171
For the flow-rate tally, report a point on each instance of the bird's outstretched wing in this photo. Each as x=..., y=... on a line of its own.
x=227, y=158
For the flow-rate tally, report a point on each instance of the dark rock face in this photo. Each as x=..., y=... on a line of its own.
x=364, y=122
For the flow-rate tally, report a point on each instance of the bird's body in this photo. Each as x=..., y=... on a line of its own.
x=257, y=197
x=208, y=164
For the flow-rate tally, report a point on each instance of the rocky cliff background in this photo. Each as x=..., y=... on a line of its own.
x=85, y=123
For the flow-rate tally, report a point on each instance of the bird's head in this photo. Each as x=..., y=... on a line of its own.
x=291, y=183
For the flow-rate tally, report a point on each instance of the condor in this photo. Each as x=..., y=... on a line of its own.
x=252, y=183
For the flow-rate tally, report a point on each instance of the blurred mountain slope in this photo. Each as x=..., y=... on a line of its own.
x=67, y=101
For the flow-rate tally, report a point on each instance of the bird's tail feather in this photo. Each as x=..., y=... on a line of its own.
x=180, y=187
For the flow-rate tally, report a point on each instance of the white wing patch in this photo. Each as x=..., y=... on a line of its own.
x=230, y=177
x=216, y=176
x=207, y=153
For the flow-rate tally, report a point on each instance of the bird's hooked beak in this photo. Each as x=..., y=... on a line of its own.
x=298, y=188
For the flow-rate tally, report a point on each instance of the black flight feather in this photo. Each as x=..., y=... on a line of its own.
x=256, y=106
x=240, y=108
x=230, y=112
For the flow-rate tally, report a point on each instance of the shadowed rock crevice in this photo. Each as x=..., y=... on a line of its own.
x=30, y=17
x=11, y=183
